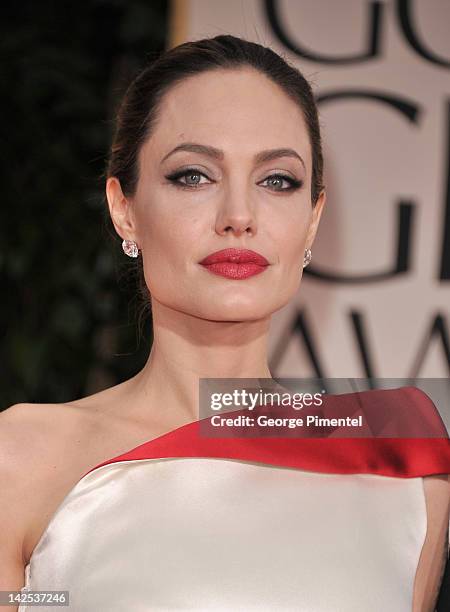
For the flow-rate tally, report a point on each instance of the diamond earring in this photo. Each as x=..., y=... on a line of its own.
x=130, y=248
x=307, y=257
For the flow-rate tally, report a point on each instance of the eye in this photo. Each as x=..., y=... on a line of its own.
x=195, y=178
x=279, y=178
x=186, y=172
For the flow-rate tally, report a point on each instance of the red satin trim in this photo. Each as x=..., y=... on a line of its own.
x=404, y=457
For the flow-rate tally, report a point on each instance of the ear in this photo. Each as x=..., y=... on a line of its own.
x=317, y=213
x=121, y=210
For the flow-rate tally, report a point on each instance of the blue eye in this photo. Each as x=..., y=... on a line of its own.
x=193, y=172
x=186, y=172
x=293, y=183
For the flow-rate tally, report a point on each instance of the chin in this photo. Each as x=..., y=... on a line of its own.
x=237, y=312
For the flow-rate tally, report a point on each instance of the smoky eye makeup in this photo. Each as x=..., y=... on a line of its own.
x=280, y=177
x=277, y=179
x=174, y=177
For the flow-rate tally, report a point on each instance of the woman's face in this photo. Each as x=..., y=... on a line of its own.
x=189, y=204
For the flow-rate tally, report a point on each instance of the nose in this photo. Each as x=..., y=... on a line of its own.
x=236, y=214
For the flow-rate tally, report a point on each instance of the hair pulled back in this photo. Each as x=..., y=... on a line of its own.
x=141, y=105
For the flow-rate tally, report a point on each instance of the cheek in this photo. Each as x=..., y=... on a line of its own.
x=167, y=233
x=289, y=237
x=170, y=241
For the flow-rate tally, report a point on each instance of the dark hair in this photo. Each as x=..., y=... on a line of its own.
x=141, y=104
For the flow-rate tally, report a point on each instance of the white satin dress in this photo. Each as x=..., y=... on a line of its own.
x=183, y=522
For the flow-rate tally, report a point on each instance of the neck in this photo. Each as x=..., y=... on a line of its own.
x=186, y=348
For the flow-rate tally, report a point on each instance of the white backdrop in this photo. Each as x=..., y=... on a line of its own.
x=375, y=300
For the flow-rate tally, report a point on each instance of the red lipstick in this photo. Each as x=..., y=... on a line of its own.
x=235, y=263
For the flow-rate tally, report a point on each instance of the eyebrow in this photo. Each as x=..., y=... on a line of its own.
x=262, y=156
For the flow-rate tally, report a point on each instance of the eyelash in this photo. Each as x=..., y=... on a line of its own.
x=294, y=183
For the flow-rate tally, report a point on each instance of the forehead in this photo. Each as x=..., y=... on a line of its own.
x=240, y=111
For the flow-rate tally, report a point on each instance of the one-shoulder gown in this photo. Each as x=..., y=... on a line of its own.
x=187, y=522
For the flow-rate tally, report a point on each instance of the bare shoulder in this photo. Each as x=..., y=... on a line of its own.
x=33, y=423
x=44, y=437
x=44, y=450
x=31, y=437
x=434, y=553
x=36, y=437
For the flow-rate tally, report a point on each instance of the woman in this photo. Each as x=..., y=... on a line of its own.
x=217, y=151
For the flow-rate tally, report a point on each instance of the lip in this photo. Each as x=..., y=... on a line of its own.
x=235, y=263
x=235, y=256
